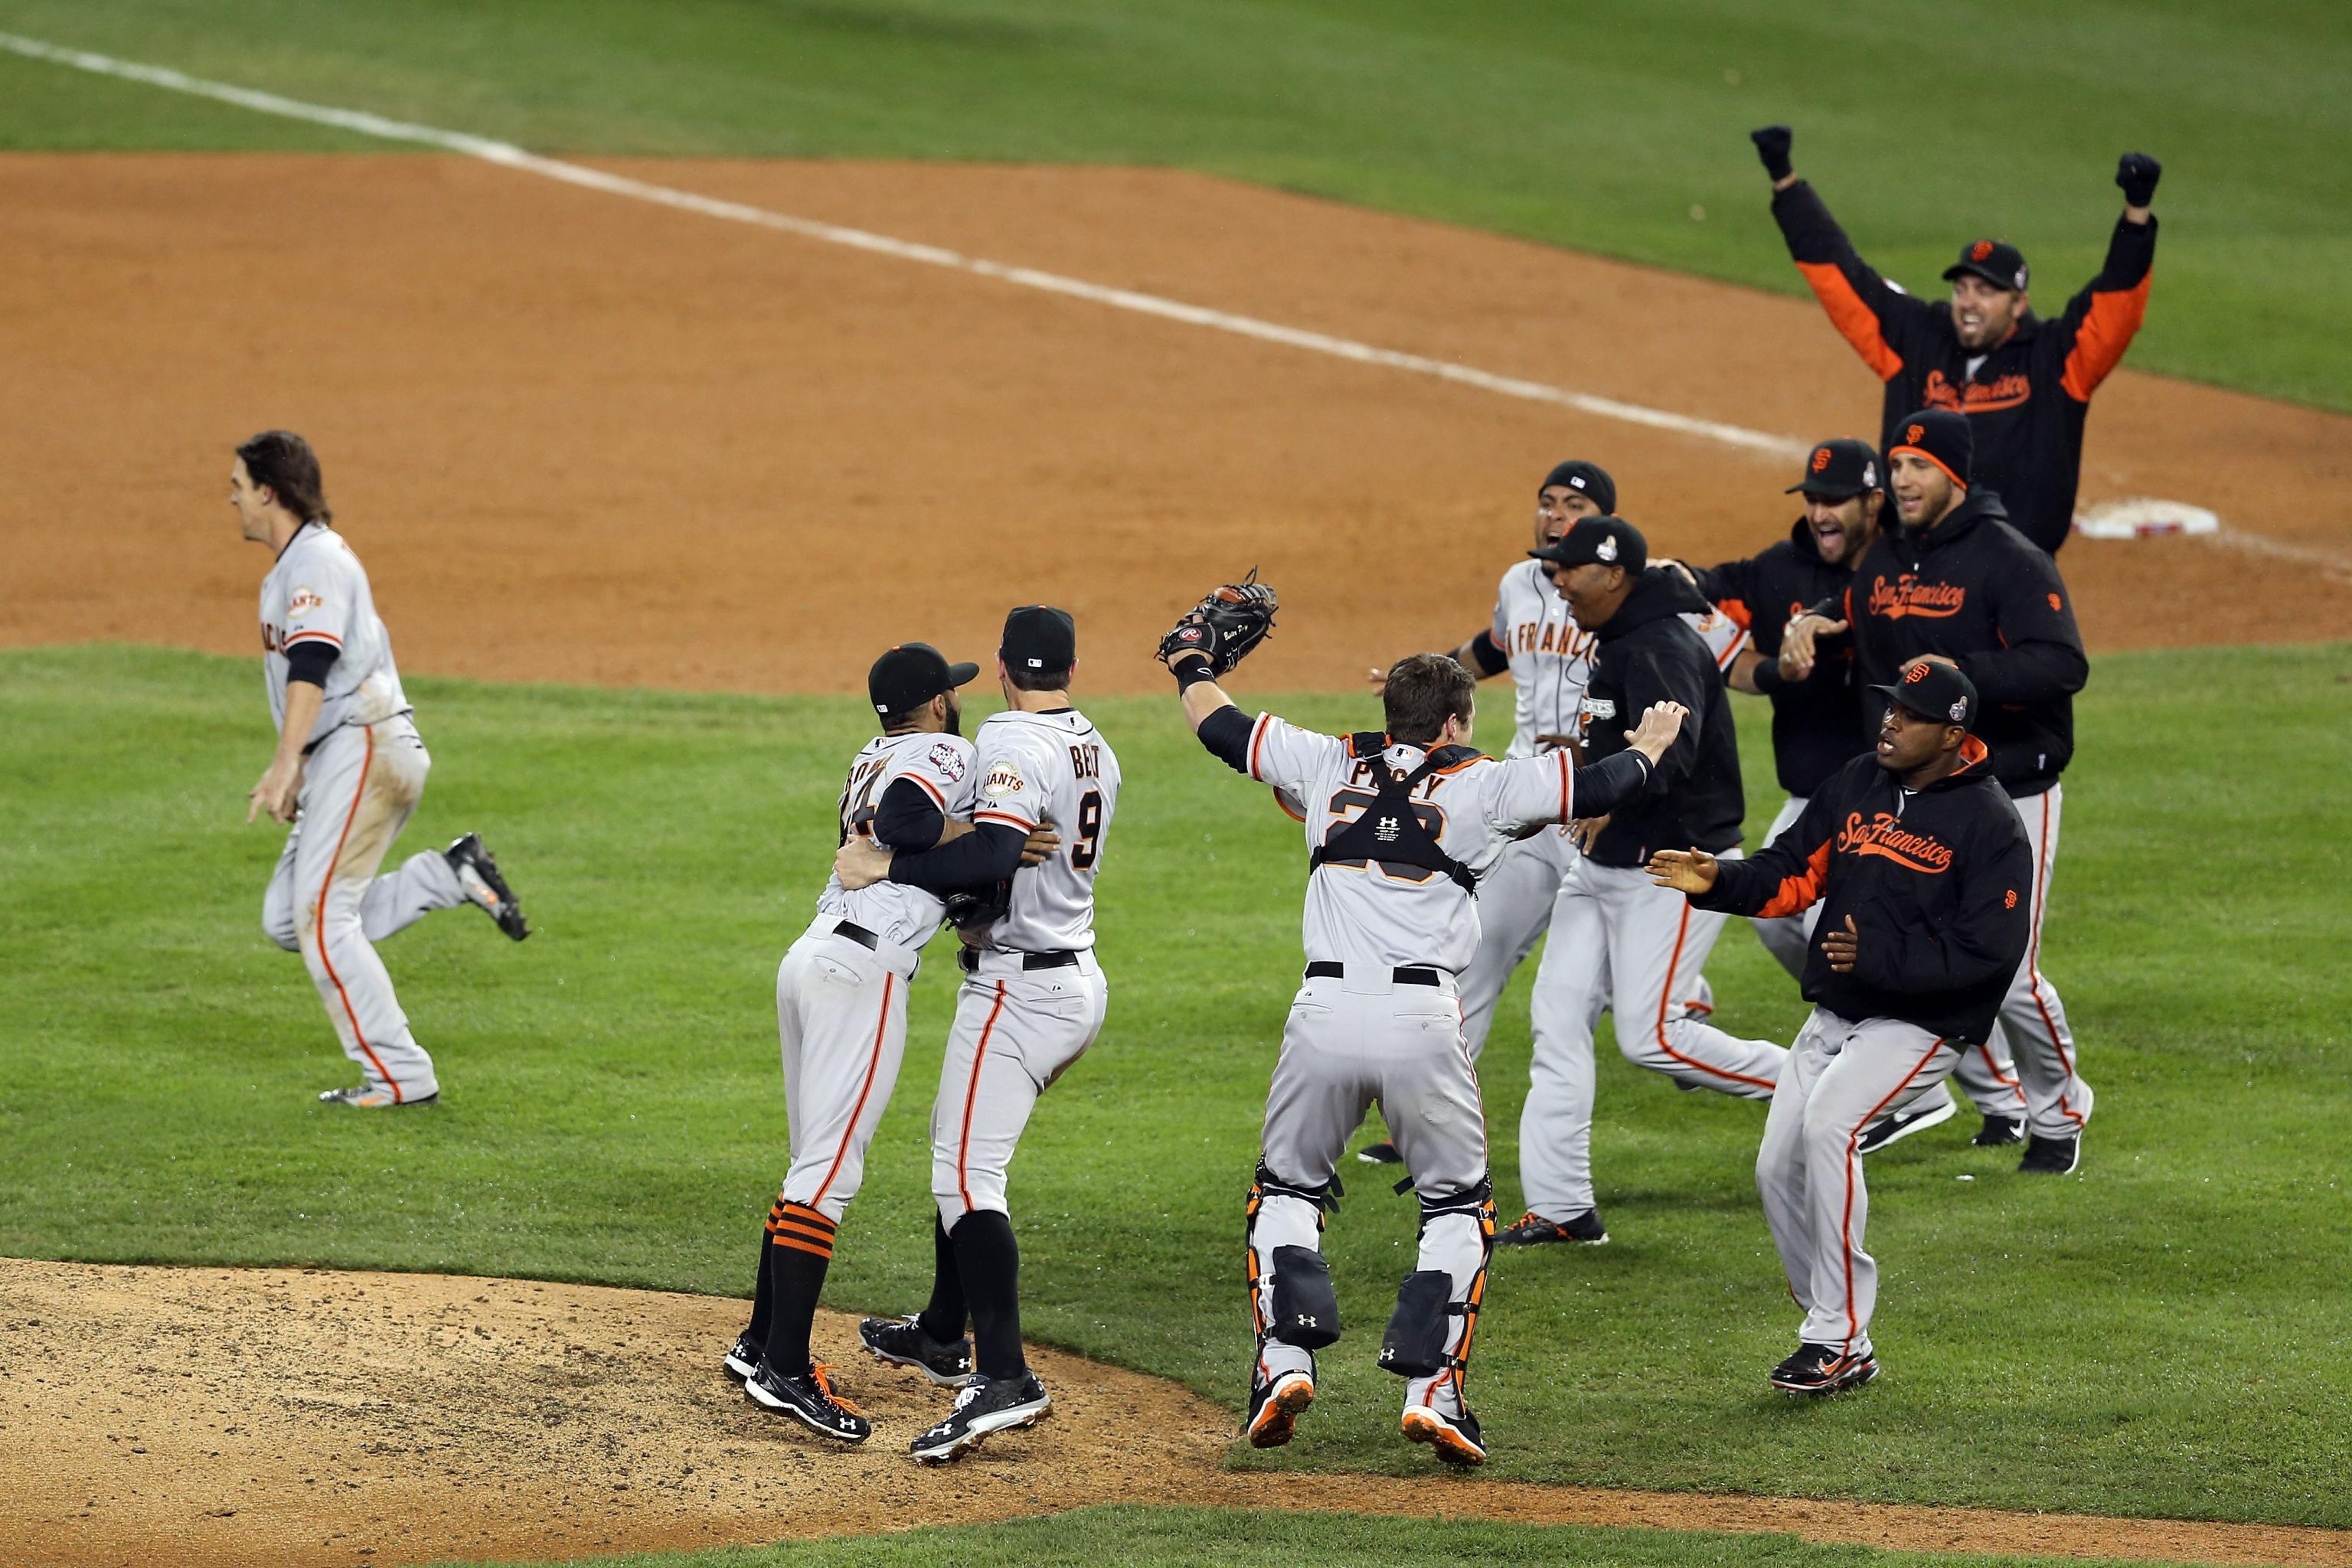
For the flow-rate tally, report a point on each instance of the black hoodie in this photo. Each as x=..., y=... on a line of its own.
x=1814, y=730
x=1647, y=653
x=1973, y=589
x=1940, y=884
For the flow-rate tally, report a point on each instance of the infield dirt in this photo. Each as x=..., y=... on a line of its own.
x=204, y=1417
x=583, y=438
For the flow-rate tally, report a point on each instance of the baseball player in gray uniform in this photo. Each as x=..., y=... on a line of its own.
x=1534, y=638
x=349, y=770
x=1399, y=826
x=841, y=1014
x=1032, y=1000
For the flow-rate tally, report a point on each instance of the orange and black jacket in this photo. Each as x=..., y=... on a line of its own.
x=2027, y=401
x=1815, y=727
x=1973, y=590
x=1938, y=883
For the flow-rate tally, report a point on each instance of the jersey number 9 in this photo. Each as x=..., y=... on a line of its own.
x=1089, y=843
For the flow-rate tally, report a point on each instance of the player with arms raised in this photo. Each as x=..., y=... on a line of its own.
x=1398, y=826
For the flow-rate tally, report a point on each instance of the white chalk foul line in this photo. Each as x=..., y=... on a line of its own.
x=513, y=157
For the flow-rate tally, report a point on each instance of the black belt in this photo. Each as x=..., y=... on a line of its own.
x=1324, y=969
x=1059, y=958
x=858, y=934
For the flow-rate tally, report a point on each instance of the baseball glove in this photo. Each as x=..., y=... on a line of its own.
x=976, y=911
x=1225, y=626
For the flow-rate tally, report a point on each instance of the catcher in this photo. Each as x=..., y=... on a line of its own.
x=1400, y=827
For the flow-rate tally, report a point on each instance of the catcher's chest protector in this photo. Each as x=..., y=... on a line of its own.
x=1391, y=830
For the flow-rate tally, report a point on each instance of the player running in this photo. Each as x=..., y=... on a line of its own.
x=1817, y=729
x=2024, y=382
x=349, y=770
x=840, y=1016
x=1032, y=1000
x=1400, y=827
x=1918, y=842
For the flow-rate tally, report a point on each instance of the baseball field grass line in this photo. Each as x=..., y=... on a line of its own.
x=1177, y=1537
x=2157, y=1337
x=1619, y=131
x=507, y=156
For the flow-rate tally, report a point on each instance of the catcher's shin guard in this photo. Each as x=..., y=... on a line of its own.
x=1457, y=1241
x=1293, y=1310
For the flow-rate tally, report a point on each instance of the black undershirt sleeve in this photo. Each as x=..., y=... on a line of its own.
x=1609, y=783
x=1491, y=659
x=987, y=854
x=309, y=662
x=1227, y=734
x=908, y=818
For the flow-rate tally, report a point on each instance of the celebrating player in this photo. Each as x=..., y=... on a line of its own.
x=349, y=770
x=1956, y=581
x=841, y=1014
x=1032, y=1002
x=1615, y=937
x=1816, y=728
x=1918, y=843
x=2024, y=382
x=1399, y=826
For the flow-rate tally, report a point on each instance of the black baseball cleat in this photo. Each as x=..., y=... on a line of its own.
x=901, y=1342
x=742, y=1357
x=2052, y=1156
x=478, y=874
x=1381, y=1154
x=986, y=1404
x=1901, y=1124
x=1274, y=1408
x=1823, y=1369
x=2000, y=1132
x=810, y=1400
x=1531, y=1230
x=1455, y=1439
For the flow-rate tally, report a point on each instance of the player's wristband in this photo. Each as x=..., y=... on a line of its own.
x=1191, y=670
x=1768, y=677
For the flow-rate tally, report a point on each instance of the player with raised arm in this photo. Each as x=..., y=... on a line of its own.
x=349, y=770
x=1398, y=826
x=1032, y=1000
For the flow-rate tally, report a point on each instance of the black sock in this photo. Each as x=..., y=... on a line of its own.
x=989, y=1262
x=944, y=1319
x=762, y=1298
x=799, y=1251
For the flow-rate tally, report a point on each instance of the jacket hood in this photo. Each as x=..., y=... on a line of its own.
x=1661, y=593
x=1976, y=768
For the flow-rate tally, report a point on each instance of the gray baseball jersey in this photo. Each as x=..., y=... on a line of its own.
x=1049, y=767
x=1390, y=916
x=943, y=766
x=318, y=593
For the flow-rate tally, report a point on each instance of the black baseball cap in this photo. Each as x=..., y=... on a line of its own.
x=1601, y=541
x=912, y=674
x=1590, y=478
x=1996, y=261
x=1039, y=636
x=1839, y=470
x=1932, y=691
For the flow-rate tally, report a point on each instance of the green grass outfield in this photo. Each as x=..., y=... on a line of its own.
x=1176, y=1538
x=1596, y=127
x=2163, y=1334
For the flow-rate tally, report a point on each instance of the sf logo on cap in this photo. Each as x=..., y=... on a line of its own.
x=1915, y=674
x=1820, y=459
x=1912, y=435
x=1980, y=250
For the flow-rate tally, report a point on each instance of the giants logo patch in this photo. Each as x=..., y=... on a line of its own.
x=301, y=602
x=1907, y=595
x=1886, y=837
x=1002, y=779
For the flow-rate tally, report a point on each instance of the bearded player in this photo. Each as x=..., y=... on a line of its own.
x=349, y=770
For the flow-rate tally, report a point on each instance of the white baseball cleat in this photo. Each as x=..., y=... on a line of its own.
x=375, y=1097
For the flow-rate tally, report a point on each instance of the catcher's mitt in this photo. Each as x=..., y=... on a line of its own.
x=1225, y=625
x=976, y=911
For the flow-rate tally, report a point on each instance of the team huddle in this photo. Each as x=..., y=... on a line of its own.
x=1919, y=652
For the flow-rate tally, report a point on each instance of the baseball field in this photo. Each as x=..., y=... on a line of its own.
x=669, y=362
